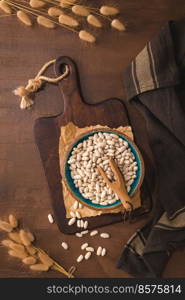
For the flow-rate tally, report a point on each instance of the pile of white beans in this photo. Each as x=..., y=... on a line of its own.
x=96, y=150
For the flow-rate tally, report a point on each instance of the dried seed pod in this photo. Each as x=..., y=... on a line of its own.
x=14, y=246
x=94, y=21
x=54, y=12
x=5, y=226
x=31, y=250
x=15, y=237
x=29, y=260
x=117, y=24
x=26, y=237
x=108, y=10
x=67, y=3
x=80, y=10
x=5, y=7
x=13, y=221
x=37, y=3
x=30, y=236
x=23, y=17
x=17, y=254
x=45, y=259
x=86, y=36
x=67, y=20
x=7, y=243
x=39, y=267
x=45, y=22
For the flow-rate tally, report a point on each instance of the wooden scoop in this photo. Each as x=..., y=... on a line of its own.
x=118, y=186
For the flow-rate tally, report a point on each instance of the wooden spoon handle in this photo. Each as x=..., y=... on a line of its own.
x=125, y=199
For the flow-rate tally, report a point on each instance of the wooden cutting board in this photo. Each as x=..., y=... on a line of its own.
x=111, y=112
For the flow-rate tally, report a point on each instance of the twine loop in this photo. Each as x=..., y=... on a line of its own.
x=35, y=84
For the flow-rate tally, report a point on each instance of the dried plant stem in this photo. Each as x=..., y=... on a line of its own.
x=49, y=1
x=20, y=246
x=55, y=265
x=37, y=13
x=1, y=16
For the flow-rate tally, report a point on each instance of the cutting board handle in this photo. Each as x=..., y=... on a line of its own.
x=70, y=82
x=69, y=86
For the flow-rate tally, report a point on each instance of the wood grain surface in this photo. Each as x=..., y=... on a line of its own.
x=23, y=188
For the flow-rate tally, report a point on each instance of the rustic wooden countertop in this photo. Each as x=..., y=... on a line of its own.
x=23, y=186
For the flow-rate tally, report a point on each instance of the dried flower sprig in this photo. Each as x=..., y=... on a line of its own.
x=46, y=16
x=20, y=245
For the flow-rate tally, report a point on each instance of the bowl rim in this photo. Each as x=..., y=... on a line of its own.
x=71, y=145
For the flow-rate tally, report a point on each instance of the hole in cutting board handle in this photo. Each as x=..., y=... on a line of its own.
x=62, y=68
x=70, y=82
x=60, y=64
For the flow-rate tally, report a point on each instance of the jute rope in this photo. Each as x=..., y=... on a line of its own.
x=35, y=84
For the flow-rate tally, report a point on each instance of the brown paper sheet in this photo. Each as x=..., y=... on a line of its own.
x=69, y=133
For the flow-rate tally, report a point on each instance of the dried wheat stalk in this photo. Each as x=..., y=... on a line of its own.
x=54, y=12
x=67, y=3
x=37, y=3
x=91, y=19
x=43, y=21
x=5, y=7
x=68, y=20
x=46, y=16
x=23, y=17
x=20, y=245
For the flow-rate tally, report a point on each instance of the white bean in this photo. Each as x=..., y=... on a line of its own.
x=80, y=258
x=78, y=234
x=85, y=225
x=78, y=215
x=81, y=223
x=84, y=232
x=99, y=250
x=65, y=245
x=90, y=249
x=71, y=221
x=84, y=246
x=104, y=251
x=105, y=235
x=88, y=255
x=75, y=205
x=78, y=223
x=72, y=213
x=50, y=218
x=94, y=232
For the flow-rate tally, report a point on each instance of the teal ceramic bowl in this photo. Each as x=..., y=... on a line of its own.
x=75, y=191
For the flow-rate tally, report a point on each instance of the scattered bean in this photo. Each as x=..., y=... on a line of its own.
x=65, y=245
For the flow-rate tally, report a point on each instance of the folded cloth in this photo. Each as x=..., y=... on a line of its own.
x=155, y=85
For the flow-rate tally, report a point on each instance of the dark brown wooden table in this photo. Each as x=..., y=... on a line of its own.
x=23, y=187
